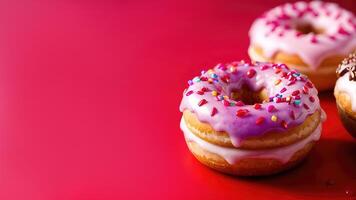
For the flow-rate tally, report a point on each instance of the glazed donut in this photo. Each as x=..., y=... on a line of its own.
x=312, y=37
x=250, y=119
x=345, y=92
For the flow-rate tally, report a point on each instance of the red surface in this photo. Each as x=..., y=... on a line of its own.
x=89, y=103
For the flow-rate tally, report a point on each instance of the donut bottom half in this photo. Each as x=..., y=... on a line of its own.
x=249, y=162
x=323, y=78
x=247, y=166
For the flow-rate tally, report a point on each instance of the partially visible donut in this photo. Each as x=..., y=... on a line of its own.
x=345, y=92
x=251, y=119
x=312, y=37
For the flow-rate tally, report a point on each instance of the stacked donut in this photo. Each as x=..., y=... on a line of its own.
x=251, y=119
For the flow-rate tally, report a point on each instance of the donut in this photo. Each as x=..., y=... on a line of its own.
x=311, y=37
x=345, y=92
x=250, y=119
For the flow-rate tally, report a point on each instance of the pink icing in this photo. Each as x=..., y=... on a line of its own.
x=292, y=99
x=275, y=31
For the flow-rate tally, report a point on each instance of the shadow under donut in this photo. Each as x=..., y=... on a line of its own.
x=330, y=170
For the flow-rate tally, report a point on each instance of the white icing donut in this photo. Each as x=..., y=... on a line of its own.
x=277, y=31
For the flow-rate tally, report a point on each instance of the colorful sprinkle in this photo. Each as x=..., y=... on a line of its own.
x=204, y=89
x=313, y=40
x=291, y=82
x=203, y=78
x=277, y=99
x=220, y=98
x=301, y=78
x=190, y=82
x=196, y=79
x=257, y=106
x=213, y=112
x=277, y=82
x=202, y=102
x=283, y=90
x=297, y=102
x=213, y=75
x=242, y=112
x=276, y=66
x=298, y=34
x=226, y=103
x=270, y=108
x=332, y=37
x=284, y=75
x=295, y=93
x=274, y=118
x=214, y=93
x=222, y=67
x=312, y=99
x=264, y=67
x=225, y=79
x=232, y=69
x=189, y=93
x=291, y=78
x=306, y=106
x=260, y=120
x=296, y=74
x=251, y=73
x=342, y=31
x=200, y=92
x=309, y=84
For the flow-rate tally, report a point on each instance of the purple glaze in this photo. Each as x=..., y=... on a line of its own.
x=290, y=108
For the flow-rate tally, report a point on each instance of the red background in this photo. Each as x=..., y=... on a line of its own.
x=89, y=103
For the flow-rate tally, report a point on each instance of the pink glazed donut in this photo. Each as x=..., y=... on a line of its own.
x=312, y=37
x=251, y=119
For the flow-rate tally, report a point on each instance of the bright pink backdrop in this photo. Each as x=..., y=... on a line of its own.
x=89, y=103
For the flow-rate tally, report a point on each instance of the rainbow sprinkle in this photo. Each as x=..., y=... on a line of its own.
x=274, y=118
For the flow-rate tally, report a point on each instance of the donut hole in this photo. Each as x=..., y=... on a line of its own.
x=248, y=96
x=306, y=28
